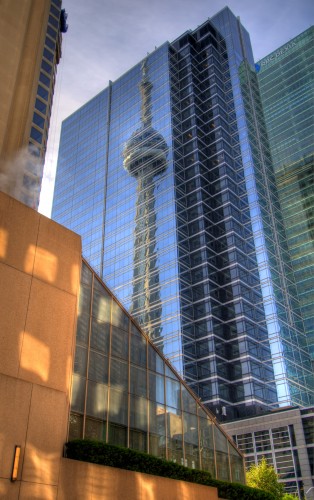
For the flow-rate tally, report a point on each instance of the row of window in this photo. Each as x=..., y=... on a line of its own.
x=46, y=76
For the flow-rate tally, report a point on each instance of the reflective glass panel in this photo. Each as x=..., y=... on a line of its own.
x=191, y=444
x=138, y=350
x=98, y=367
x=173, y=397
x=118, y=407
x=207, y=444
x=119, y=318
x=96, y=404
x=119, y=343
x=119, y=374
x=78, y=393
x=222, y=459
x=156, y=388
x=82, y=329
x=157, y=429
x=101, y=305
x=155, y=362
x=138, y=383
x=100, y=336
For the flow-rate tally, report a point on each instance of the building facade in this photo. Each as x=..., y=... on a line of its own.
x=30, y=49
x=40, y=264
x=75, y=364
x=172, y=209
x=286, y=439
x=285, y=80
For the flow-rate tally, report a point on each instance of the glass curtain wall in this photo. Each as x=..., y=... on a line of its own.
x=81, y=168
x=285, y=80
x=225, y=345
x=139, y=257
x=158, y=194
x=289, y=350
x=291, y=360
x=173, y=213
x=125, y=392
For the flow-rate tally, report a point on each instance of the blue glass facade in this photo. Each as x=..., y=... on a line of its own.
x=281, y=305
x=82, y=162
x=165, y=193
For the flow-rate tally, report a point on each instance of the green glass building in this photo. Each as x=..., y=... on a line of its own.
x=286, y=85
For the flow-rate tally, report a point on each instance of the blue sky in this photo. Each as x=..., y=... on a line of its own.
x=107, y=37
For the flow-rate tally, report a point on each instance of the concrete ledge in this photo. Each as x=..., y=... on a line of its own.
x=82, y=480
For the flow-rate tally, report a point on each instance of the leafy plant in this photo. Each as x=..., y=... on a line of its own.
x=264, y=477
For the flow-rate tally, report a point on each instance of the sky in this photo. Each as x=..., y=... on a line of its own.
x=106, y=38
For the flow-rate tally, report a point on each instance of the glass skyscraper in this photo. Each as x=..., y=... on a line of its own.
x=285, y=80
x=167, y=177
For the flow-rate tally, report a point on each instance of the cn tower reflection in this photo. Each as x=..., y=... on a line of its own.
x=145, y=158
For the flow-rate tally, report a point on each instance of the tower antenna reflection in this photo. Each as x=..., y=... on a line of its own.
x=145, y=158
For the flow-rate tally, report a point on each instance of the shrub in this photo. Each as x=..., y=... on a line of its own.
x=98, y=452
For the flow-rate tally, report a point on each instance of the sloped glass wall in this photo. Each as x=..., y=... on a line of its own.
x=126, y=393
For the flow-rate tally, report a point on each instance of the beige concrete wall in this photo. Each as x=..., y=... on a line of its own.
x=82, y=481
x=22, y=34
x=40, y=265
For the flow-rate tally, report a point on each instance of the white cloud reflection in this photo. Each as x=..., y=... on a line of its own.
x=108, y=37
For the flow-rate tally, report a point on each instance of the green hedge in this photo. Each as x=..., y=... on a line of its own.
x=98, y=452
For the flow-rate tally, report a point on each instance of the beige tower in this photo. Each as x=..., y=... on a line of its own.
x=30, y=49
x=40, y=264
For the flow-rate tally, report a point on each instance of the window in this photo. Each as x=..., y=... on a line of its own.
x=53, y=22
x=281, y=437
x=46, y=67
x=36, y=135
x=262, y=441
x=308, y=426
x=51, y=32
x=44, y=79
x=48, y=55
x=98, y=367
x=50, y=43
x=245, y=443
x=42, y=92
x=54, y=11
x=41, y=106
x=38, y=120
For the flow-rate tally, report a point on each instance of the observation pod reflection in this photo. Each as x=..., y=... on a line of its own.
x=145, y=158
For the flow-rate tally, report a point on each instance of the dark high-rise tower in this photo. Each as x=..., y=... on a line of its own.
x=200, y=223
